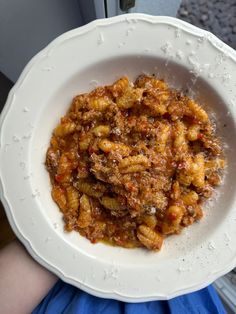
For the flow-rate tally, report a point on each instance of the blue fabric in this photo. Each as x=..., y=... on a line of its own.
x=66, y=299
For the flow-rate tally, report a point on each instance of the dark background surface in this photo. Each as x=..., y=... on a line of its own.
x=218, y=17
x=6, y=234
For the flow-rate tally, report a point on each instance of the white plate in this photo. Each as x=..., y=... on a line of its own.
x=98, y=53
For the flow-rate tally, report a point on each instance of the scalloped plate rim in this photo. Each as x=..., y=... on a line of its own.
x=59, y=40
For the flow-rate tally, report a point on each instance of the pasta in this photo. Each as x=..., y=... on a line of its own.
x=131, y=163
x=89, y=188
x=59, y=197
x=72, y=198
x=84, y=218
x=102, y=130
x=149, y=238
x=108, y=146
x=66, y=127
x=98, y=104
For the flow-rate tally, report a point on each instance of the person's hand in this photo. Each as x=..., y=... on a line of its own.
x=23, y=282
